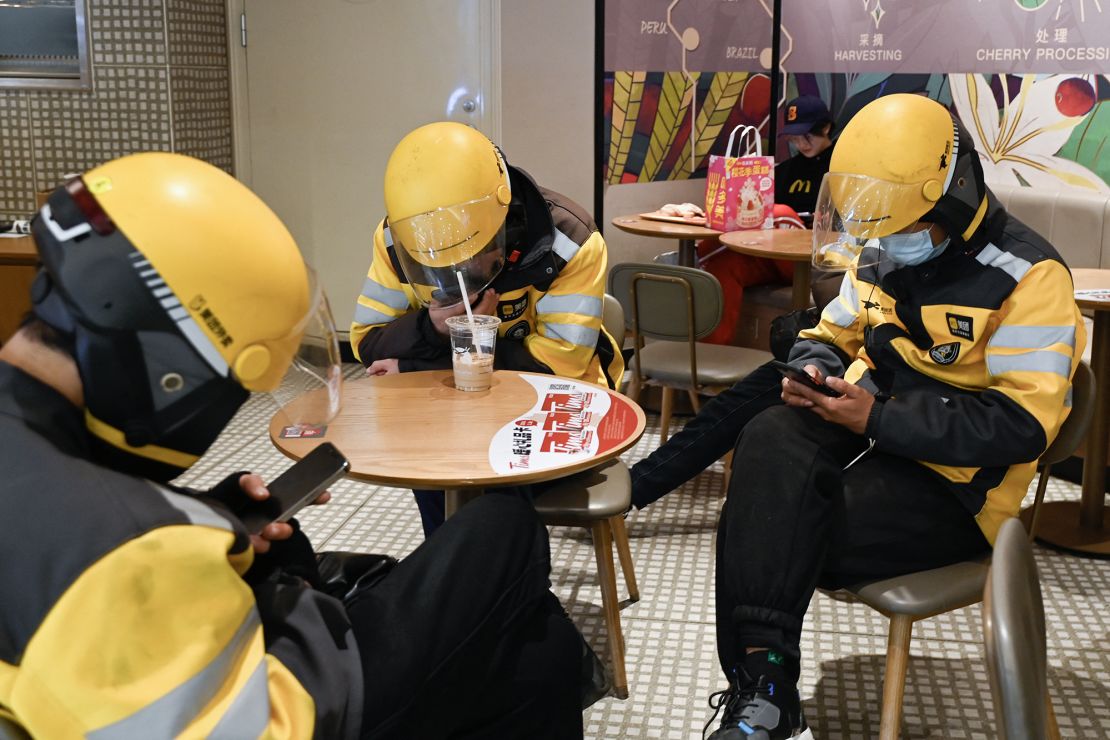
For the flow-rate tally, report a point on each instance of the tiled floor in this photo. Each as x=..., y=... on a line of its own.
x=669, y=633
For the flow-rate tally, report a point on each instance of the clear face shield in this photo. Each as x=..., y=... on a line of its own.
x=852, y=213
x=309, y=392
x=435, y=246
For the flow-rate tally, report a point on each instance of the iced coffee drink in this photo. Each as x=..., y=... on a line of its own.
x=473, y=341
x=473, y=371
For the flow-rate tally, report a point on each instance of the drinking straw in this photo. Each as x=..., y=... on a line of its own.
x=469, y=313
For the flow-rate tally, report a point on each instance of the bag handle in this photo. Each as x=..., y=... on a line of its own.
x=744, y=131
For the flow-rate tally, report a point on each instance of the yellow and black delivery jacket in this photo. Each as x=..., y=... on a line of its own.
x=551, y=292
x=123, y=608
x=971, y=355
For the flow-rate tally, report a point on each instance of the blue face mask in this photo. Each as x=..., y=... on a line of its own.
x=911, y=249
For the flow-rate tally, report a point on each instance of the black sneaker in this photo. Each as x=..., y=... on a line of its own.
x=757, y=710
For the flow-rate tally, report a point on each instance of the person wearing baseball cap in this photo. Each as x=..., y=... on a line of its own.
x=808, y=127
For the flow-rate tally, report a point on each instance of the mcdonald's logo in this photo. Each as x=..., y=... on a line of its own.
x=799, y=186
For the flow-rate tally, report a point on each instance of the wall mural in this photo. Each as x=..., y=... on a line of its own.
x=1029, y=81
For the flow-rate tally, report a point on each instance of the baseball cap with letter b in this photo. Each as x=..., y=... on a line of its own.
x=803, y=114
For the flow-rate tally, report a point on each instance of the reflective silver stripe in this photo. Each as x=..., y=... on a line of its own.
x=171, y=714
x=1067, y=398
x=583, y=336
x=584, y=305
x=249, y=713
x=838, y=314
x=1012, y=265
x=365, y=315
x=387, y=237
x=197, y=512
x=564, y=246
x=62, y=235
x=202, y=344
x=1033, y=337
x=843, y=309
x=391, y=297
x=1044, y=361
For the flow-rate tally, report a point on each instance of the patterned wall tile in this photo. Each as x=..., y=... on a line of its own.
x=129, y=111
x=197, y=33
x=17, y=177
x=202, y=113
x=128, y=32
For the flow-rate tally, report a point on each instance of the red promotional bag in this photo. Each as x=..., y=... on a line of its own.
x=740, y=189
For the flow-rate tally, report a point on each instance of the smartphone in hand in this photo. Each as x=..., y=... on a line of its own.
x=802, y=377
x=297, y=487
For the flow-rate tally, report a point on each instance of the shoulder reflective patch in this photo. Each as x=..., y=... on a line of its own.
x=196, y=512
x=577, y=334
x=172, y=713
x=1033, y=337
x=249, y=714
x=564, y=246
x=1012, y=265
x=391, y=297
x=1042, y=361
x=945, y=354
x=584, y=305
x=369, y=316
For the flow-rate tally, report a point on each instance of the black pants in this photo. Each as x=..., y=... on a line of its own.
x=795, y=519
x=706, y=438
x=463, y=638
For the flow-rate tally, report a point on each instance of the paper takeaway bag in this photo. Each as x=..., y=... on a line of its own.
x=740, y=189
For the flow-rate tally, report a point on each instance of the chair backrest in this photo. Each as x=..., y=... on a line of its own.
x=612, y=318
x=666, y=296
x=1074, y=428
x=1014, y=631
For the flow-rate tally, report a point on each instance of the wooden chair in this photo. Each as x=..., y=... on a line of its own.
x=676, y=306
x=597, y=500
x=915, y=596
x=1014, y=633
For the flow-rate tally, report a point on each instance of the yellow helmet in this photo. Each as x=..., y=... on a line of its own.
x=901, y=160
x=446, y=197
x=182, y=292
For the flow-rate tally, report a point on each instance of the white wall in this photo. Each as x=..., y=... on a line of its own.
x=547, y=117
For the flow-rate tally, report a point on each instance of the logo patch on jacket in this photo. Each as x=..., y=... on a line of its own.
x=945, y=354
x=509, y=310
x=518, y=331
x=960, y=326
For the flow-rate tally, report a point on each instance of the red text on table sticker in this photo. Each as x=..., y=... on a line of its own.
x=566, y=442
x=567, y=421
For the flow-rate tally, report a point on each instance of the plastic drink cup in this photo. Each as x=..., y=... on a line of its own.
x=472, y=346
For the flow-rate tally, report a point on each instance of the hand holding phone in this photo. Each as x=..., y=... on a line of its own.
x=803, y=378
x=296, y=487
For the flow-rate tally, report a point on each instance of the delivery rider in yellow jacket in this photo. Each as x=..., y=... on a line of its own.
x=949, y=354
x=527, y=255
x=132, y=608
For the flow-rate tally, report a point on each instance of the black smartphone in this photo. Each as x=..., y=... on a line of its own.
x=800, y=376
x=297, y=487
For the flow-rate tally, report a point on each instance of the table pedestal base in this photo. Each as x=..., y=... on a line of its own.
x=1059, y=527
x=455, y=498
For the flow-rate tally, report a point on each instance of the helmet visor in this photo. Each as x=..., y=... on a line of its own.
x=852, y=211
x=434, y=247
x=309, y=393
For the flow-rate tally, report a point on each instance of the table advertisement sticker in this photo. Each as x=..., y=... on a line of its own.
x=568, y=419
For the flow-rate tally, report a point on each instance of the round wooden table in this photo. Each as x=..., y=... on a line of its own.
x=415, y=430
x=1083, y=526
x=686, y=234
x=795, y=245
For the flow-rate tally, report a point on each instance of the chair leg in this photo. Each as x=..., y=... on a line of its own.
x=666, y=405
x=603, y=550
x=695, y=403
x=728, y=472
x=1051, y=729
x=620, y=539
x=634, y=387
x=1042, y=486
x=894, y=680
